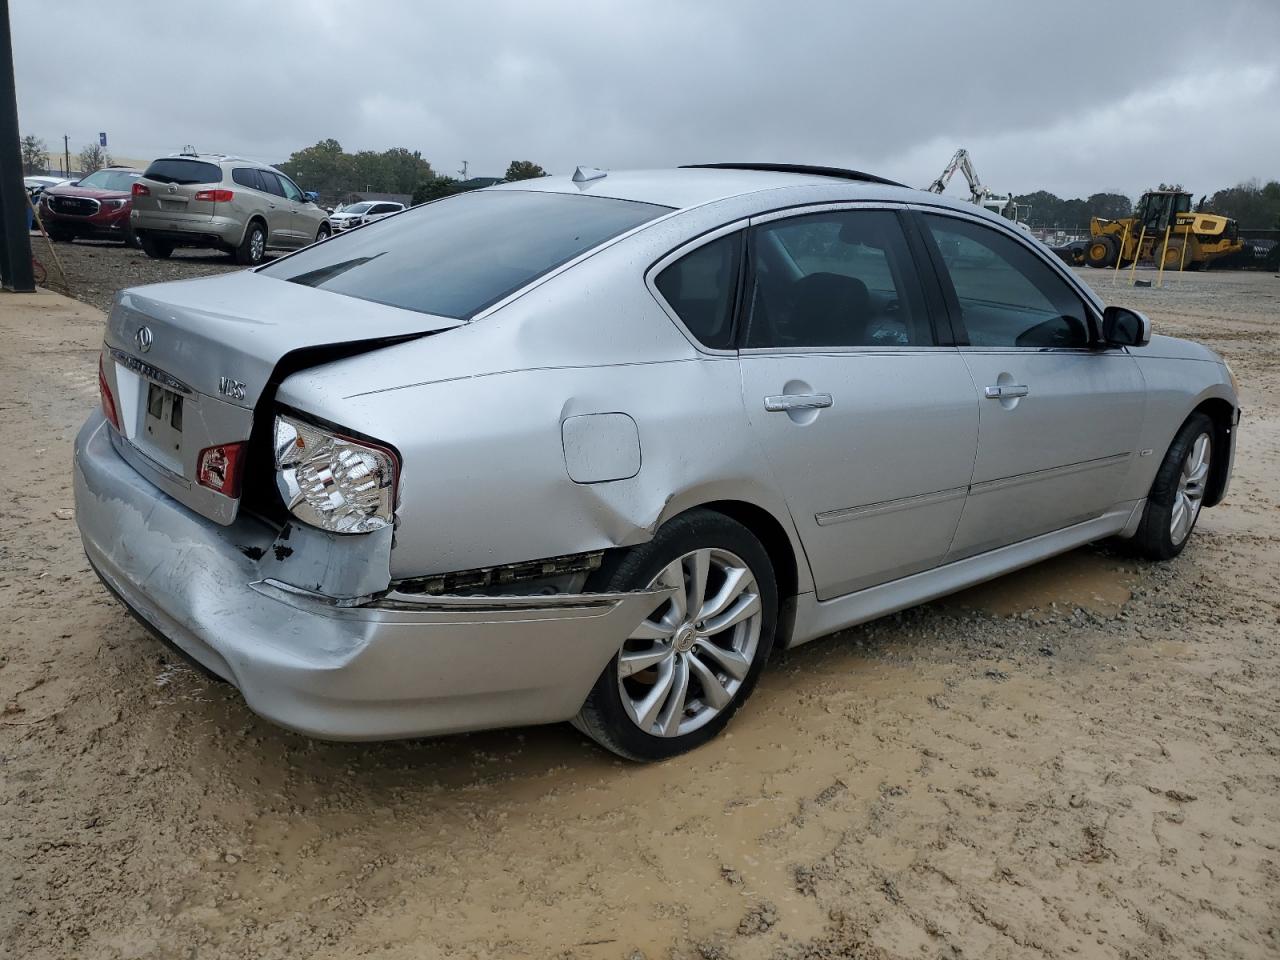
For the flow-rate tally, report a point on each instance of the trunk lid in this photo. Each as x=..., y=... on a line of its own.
x=188, y=361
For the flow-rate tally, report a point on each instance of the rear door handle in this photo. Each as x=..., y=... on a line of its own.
x=1008, y=391
x=797, y=401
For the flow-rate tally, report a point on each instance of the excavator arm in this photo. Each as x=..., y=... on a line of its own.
x=962, y=162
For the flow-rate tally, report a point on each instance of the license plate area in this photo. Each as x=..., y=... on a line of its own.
x=163, y=420
x=173, y=204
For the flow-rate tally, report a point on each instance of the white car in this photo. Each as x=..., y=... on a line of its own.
x=364, y=212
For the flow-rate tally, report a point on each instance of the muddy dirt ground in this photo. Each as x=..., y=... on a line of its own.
x=1079, y=760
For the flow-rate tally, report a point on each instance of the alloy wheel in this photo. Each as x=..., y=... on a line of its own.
x=685, y=663
x=1191, y=486
x=257, y=245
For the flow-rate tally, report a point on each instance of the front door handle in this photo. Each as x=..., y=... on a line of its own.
x=797, y=401
x=1008, y=391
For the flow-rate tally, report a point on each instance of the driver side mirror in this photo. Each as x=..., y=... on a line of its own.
x=1122, y=327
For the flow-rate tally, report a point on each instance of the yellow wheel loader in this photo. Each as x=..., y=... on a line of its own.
x=1193, y=240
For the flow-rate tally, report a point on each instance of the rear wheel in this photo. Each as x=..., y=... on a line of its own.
x=253, y=247
x=323, y=233
x=1102, y=252
x=156, y=249
x=1176, y=496
x=688, y=667
x=131, y=239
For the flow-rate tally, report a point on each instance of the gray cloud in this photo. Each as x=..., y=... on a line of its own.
x=1095, y=97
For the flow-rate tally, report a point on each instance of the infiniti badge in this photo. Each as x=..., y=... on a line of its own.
x=143, y=336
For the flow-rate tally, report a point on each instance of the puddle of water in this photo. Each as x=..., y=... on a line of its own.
x=1082, y=578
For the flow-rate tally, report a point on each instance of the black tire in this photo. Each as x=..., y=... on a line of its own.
x=156, y=249
x=324, y=233
x=253, y=247
x=1101, y=252
x=131, y=239
x=1155, y=539
x=603, y=716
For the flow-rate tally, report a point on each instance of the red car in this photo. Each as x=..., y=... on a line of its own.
x=95, y=207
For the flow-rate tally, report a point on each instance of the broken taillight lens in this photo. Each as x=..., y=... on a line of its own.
x=219, y=468
x=104, y=393
x=332, y=481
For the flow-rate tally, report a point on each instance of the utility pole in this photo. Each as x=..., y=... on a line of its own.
x=463, y=171
x=66, y=155
x=15, y=257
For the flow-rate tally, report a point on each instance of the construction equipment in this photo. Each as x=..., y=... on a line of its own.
x=1004, y=206
x=1165, y=229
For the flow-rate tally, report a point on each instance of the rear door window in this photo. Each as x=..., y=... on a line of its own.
x=271, y=183
x=701, y=288
x=182, y=171
x=457, y=256
x=843, y=278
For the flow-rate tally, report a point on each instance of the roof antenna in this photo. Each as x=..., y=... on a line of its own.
x=585, y=174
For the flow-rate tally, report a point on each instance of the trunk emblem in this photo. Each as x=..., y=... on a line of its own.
x=143, y=338
x=234, y=389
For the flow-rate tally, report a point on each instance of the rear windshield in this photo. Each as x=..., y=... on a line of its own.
x=121, y=180
x=457, y=256
x=180, y=170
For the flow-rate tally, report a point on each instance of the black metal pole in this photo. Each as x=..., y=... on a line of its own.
x=15, y=257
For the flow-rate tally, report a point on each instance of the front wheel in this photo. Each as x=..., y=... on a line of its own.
x=1176, y=496
x=323, y=233
x=687, y=667
x=1102, y=252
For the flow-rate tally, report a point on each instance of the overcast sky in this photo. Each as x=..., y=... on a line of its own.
x=1073, y=97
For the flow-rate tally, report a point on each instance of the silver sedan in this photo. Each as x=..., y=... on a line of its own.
x=590, y=448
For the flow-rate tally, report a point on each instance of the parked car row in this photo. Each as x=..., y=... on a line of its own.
x=210, y=201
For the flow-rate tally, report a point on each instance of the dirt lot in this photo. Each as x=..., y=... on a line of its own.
x=94, y=270
x=1082, y=759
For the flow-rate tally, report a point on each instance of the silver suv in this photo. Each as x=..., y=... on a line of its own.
x=211, y=200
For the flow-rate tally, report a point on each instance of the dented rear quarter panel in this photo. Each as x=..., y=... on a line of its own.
x=476, y=413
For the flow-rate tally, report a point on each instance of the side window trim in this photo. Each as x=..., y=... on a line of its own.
x=941, y=316
x=938, y=321
x=1093, y=313
x=685, y=248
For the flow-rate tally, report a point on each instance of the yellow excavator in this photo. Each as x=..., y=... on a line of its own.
x=1163, y=227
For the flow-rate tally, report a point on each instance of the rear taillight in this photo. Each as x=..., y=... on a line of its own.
x=108, y=401
x=332, y=481
x=141, y=190
x=215, y=196
x=219, y=468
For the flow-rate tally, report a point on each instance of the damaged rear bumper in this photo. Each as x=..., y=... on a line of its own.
x=391, y=669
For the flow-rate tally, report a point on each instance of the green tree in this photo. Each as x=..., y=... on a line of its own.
x=324, y=168
x=403, y=170
x=93, y=157
x=35, y=154
x=1110, y=206
x=524, y=170
x=435, y=188
x=1252, y=205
